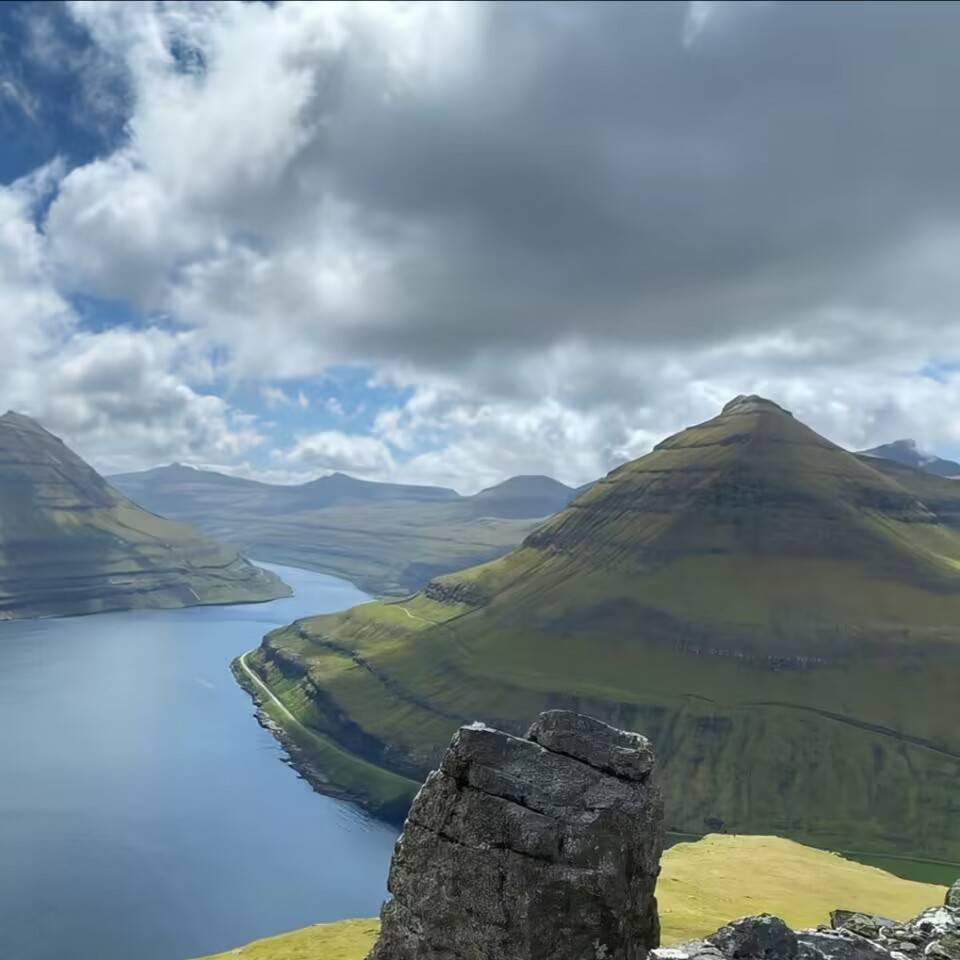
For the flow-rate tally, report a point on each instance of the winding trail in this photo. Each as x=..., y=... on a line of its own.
x=414, y=616
x=262, y=686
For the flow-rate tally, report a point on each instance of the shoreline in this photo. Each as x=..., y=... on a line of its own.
x=377, y=792
x=306, y=761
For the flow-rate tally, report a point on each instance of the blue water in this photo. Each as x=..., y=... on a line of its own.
x=144, y=815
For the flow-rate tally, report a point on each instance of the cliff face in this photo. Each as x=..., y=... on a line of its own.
x=544, y=847
x=70, y=543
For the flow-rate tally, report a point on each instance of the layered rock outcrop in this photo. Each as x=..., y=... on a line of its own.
x=545, y=847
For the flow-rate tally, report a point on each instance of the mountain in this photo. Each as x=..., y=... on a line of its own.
x=781, y=618
x=523, y=497
x=70, y=543
x=907, y=453
x=176, y=488
x=387, y=538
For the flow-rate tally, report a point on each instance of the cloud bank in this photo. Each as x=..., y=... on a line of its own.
x=561, y=230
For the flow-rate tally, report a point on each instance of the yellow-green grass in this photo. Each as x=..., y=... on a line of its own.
x=702, y=886
x=714, y=880
x=343, y=940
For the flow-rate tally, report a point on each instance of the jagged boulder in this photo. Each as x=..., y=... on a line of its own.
x=544, y=847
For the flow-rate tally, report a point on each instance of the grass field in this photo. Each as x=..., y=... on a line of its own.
x=703, y=885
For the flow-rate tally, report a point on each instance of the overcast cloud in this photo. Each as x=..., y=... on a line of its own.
x=548, y=234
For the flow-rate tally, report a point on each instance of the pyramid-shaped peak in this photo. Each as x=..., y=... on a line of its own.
x=751, y=403
x=21, y=419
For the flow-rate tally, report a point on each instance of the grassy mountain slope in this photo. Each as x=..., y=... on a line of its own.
x=940, y=494
x=778, y=616
x=70, y=543
x=386, y=538
x=703, y=886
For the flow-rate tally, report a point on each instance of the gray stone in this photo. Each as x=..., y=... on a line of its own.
x=620, y=752
x=865, y=924
x=691, y=950
x=523, y=850
x=840, y=944
x=944, y=947
x=756, y=938
x=953, y=896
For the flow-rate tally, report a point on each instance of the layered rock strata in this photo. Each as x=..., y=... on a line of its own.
x=543, y=847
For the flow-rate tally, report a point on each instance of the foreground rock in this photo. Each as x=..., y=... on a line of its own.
x=539, y=848
x=953, y=896
x=933, y=934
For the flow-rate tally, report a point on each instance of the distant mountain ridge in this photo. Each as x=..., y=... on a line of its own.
x=907, y=453
x=70, y=543
x=387, y=538
x=781, y=617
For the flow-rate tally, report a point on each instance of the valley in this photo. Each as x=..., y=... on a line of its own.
x=385, y=538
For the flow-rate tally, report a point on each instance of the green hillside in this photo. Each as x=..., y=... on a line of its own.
x=702, y=886
x=70, y=543
x=778, y=616
x=387, y=538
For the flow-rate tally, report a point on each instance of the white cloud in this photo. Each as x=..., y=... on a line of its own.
x=333, y=450
x=119, y=396
x=561, y=263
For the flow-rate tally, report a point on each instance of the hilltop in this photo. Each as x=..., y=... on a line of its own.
x=702, y=885
x=70, y=543
x=779, y=616
x=387, y=538
x=907, y=453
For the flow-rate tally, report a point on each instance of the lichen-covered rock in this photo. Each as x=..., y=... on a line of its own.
x=691, y=950
x=933, y=935
x=840, y=944
x=953, y=896
x=864, y=924
x=538, y=848
x=756, y=938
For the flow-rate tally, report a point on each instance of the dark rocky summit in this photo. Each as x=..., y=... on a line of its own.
x=538, y=848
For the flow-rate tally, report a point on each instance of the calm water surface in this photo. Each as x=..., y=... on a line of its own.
x=144, y=815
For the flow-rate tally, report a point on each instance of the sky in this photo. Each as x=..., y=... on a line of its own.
x=453, y=242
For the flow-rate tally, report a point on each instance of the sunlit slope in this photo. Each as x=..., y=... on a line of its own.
x=70, y=543
x=703, y=885
x=782, y=620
